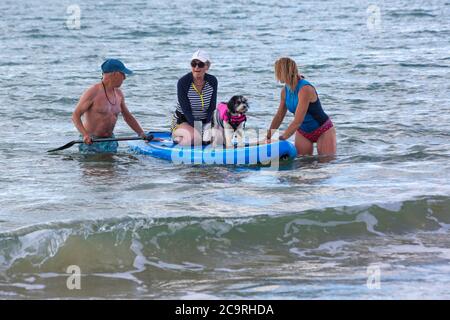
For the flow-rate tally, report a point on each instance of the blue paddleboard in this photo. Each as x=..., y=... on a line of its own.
x=246, y=155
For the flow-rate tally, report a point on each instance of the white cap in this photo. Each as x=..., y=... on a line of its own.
x=200, y=55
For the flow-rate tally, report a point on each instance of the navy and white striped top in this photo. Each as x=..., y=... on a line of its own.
x=190, y=103
x=199, y=105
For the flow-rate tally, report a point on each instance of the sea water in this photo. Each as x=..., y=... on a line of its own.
x=372, y=223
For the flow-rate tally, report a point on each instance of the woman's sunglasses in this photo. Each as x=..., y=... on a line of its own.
x=197, y=63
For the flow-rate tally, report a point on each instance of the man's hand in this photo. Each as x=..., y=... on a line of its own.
x=149, y=137
x=146, y=137
x=87, y=139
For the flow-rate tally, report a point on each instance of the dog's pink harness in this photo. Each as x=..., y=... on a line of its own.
x=234, y=121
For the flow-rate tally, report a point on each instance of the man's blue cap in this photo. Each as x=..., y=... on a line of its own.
x=115, y=65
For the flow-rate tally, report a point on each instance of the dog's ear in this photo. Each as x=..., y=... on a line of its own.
x=241, y=100
x=232, y=104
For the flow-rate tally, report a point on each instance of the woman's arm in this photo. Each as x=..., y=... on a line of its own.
x=182, y=93
x=279, y=116
x=305, y=95
x=213, y=103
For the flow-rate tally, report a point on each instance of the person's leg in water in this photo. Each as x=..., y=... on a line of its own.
x=326, y=144
x=304, y=146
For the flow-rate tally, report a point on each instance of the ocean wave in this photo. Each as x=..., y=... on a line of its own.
x=192, y=244
x=411, y=13
x=423, y=65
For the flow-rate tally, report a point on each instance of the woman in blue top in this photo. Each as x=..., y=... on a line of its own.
x=311, y=124
x=197, y=99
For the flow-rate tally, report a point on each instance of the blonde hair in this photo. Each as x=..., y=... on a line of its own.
x=286, y=71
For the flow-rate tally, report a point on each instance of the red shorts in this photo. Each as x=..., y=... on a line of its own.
x=314, y=136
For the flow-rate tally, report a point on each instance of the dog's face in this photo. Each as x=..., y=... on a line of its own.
x=238, y=105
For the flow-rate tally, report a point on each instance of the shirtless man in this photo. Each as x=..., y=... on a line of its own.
x=101, y=105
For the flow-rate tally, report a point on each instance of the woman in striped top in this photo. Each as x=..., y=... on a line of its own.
x=197, y=99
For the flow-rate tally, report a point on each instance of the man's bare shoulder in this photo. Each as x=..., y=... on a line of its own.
x=92, y=91
x=121, y=98
x=87, y=98
x=120, y=93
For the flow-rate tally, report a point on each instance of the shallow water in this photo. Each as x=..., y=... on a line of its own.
x=140, y=227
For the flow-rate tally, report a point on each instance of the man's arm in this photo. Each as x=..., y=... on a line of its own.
x=84, y=104
x=129, y=118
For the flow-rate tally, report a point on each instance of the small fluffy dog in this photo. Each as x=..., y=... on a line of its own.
x=229, y=120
